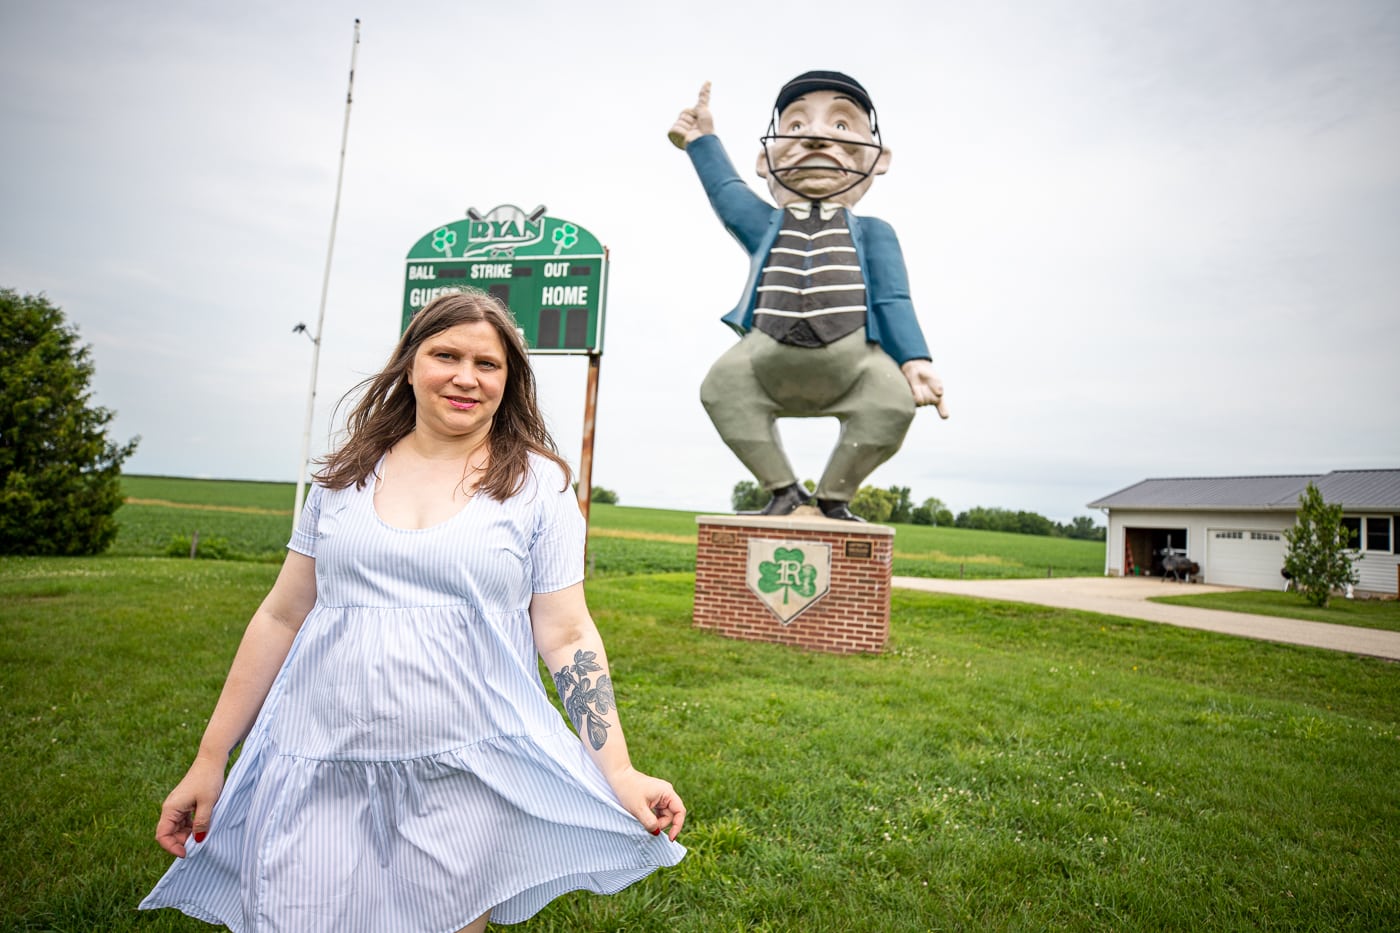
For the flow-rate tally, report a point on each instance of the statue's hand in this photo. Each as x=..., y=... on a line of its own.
x=693, y=122
x=926, y=385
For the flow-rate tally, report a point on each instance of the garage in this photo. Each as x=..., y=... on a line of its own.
x=1245, y=557
x=1233, y=527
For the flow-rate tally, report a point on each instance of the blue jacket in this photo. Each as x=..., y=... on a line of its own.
x=890, y=320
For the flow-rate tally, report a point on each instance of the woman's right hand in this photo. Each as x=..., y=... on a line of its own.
x=190, y=805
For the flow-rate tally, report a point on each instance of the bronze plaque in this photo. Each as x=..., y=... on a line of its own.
x=859, y=549
x=723, y=537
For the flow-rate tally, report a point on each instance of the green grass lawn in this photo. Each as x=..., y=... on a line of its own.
x=1001, y=767
x=1366, y=613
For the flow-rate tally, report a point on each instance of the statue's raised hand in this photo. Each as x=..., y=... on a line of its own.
x=693, y=122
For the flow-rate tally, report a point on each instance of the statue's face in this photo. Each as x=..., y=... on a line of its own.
x=823, y=150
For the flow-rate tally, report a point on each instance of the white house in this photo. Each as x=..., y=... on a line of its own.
x=1232, y=526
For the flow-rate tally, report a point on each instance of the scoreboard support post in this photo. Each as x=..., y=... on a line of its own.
x=590, y=410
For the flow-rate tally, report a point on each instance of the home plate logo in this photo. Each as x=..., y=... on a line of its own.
x=788, y=576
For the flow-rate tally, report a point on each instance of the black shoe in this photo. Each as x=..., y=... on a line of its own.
x=835, y=508
x=784, y=502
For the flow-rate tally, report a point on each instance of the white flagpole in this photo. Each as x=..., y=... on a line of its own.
x=325, y=285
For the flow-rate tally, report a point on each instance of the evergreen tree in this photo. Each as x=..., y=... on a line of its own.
x=1317, y=557
x=60, y=474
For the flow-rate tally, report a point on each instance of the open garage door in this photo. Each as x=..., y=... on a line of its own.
x=1241, y=557
x=1144, y=548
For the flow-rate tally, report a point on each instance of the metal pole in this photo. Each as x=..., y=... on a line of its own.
x=325, y=285
x=590, y=411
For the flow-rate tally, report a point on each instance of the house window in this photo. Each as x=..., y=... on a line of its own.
x=1352, y=527
x=1378, y=534
x=1370, y=533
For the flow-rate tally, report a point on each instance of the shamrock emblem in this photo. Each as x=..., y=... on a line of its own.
x=443, y=241
x=787, y=572
x=564, y=237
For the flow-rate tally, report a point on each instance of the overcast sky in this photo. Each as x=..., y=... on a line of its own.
x=1144, y=238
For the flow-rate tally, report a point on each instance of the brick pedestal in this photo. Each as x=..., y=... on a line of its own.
x=743, y=560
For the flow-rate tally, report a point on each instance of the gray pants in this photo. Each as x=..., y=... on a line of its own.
x=759, y=380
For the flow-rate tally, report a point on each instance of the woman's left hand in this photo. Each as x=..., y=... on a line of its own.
x=654, y=802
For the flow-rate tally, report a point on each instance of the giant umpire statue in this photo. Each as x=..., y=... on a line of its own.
x=826, y=324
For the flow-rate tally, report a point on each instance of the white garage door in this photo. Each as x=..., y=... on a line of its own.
x=1240, y=557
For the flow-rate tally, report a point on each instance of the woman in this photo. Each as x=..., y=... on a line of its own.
x=402, y=768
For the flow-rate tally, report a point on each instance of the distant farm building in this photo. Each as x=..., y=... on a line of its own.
x=1231, y=528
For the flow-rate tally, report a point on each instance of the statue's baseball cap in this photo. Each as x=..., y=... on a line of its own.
x=823, y=81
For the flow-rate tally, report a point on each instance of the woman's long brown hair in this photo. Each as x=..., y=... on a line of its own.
x=386, y=410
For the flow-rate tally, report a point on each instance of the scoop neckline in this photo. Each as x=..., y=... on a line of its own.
x=373, y=487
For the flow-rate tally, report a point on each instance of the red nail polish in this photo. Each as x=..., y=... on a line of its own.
x=656, y=831
x=199, y=837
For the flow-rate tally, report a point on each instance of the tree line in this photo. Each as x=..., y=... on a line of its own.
x=895, y=505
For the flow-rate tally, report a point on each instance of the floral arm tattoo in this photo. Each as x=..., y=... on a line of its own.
x=585, y=701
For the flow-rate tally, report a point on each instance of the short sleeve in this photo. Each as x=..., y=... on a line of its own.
x=305, y=534
x=556, y=554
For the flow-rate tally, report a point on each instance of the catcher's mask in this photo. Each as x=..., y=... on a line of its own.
x=821, y=81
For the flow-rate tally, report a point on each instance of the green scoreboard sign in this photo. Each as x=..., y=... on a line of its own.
x=551, y=273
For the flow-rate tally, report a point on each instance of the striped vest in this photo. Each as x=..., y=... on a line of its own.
x=811, y=292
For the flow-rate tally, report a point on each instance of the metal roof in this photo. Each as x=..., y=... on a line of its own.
x=1355, y=490
x=1362, y=490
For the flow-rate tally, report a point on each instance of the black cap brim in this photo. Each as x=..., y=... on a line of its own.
x=823, y=81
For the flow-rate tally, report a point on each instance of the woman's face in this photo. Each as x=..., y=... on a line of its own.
x=458, y=378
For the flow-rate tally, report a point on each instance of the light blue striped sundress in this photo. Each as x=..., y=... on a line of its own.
x=407, y=771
